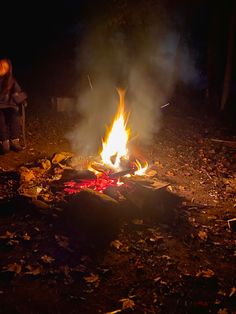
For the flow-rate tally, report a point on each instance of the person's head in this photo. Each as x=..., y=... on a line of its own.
x=4, y=67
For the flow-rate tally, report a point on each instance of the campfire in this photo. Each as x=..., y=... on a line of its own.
x=115, y=160
x=118, y=171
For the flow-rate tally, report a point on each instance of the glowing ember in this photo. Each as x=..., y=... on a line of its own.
x=100, y=184
x=115, y=143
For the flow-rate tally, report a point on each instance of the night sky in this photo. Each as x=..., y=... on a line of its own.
x=42, y=37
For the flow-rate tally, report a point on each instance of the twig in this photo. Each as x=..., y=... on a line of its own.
x=163, y=106
x=90, y=83
x=227, y=143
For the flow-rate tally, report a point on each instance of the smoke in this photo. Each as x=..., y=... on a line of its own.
x=147, y=64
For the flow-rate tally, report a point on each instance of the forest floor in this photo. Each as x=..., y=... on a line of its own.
x=174, y=254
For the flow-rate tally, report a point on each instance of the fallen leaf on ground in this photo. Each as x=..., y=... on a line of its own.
x=29, y=191
x=93, y=278
x=80, y=268
x=124, y=249
x=205, y=273
x=116, y=244
x=66, y=270
x=61, y=156
x=26, y=174
x=47, y=259
x=62, y=241
x=233, y=290
x=16, y=268
x=26, y=237
x=166, y=257
x=33, y=270
x=46, y=164
x=202, y=235
x=47, y=197
x=181, y=188
x=127, y=304
x=170, y=188
x=8, y=235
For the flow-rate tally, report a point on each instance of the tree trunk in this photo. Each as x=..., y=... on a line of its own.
x=229, y=62
x=214, y=60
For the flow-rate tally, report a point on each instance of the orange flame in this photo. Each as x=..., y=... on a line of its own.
x=114, y=147
x=141, y=168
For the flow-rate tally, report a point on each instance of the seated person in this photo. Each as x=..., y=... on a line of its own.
x=10, y=128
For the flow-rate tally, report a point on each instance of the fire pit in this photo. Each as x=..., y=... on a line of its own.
x=96, y=191
x=115, y=172
x=115, y=161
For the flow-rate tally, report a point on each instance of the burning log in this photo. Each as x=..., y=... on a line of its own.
x=99, y=184
x=121, y=173
x=77, y=175
x=92, y=213
x=149, y=196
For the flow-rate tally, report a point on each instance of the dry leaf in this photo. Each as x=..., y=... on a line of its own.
x=117, y=244
x=26, y=237
x=233, y=290
x=181, y=188
x=169, y=187
x=47, y=197
x=62, y=241
x=33, y=270
x=29, y=191
x=16, y=268
x=127, y=304
x=8, y=235
x=80, y=268
x=93, y=278
x=202, y=235
x=166, y=257
x=66, y=270
x=46, y=164
x=26, y=174
x=61, y=156
x=114, y=312
x=124, y=249
x=205, y=273
x=47, y=259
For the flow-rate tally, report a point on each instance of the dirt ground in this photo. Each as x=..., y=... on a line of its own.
x=174, y=254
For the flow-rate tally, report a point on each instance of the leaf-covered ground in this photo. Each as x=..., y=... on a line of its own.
x=174, y=254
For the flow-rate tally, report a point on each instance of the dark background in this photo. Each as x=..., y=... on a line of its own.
x=42, y=39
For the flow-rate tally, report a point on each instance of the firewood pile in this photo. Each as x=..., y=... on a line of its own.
x=65, y=184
